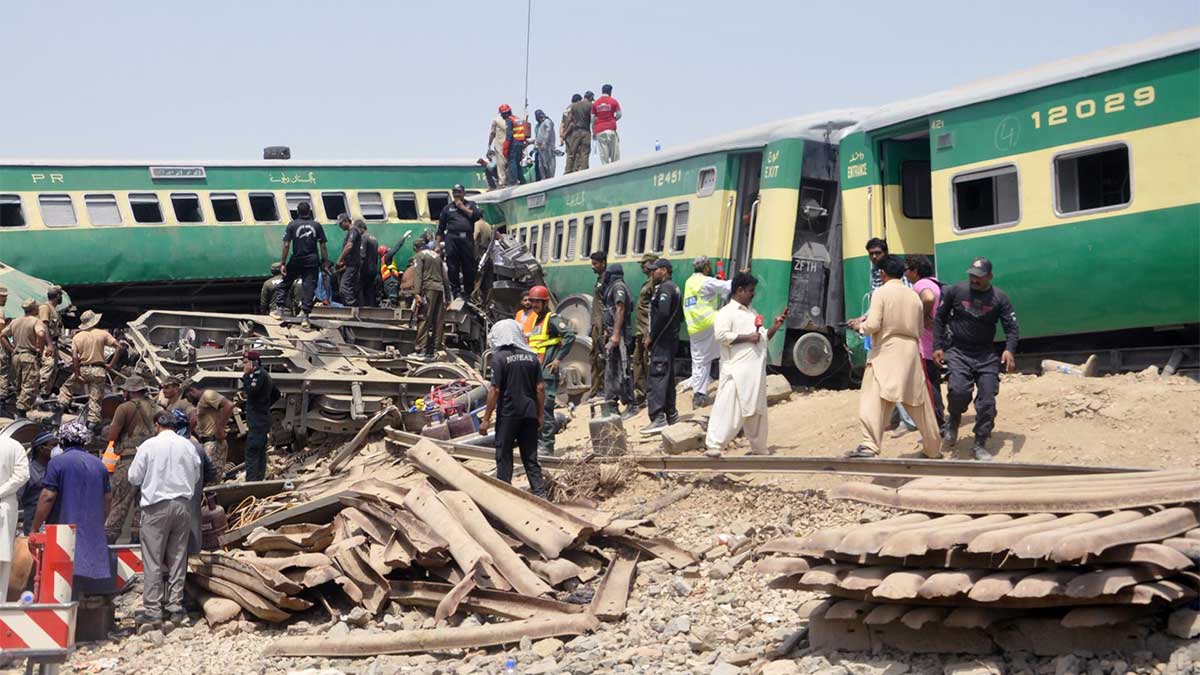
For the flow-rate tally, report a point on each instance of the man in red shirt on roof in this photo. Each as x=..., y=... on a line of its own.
x=605, y=113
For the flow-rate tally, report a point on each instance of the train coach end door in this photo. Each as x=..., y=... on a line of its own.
x=745, y=210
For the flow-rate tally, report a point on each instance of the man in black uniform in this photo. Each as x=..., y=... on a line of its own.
x=349, y=263
x=963, y=331
x=517, y=387
x=456, y=227
x=370, y=281
x=304, y=236
x=618, y=342
x=662, y=341
x=261, y=394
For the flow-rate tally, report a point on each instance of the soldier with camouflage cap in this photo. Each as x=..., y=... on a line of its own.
x=25, y=339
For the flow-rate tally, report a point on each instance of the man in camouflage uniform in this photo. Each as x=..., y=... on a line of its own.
x=133, y=423
x=430, y=284
x=48, y=313
x=6, y=392
x=641, y=357
x=599, y=362
x=25, y=339
x=89, y=368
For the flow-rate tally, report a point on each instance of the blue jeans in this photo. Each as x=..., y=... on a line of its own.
x=515, y=152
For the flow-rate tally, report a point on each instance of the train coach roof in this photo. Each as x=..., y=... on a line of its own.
x=809, y=127
x=1033, y=78
x=265, y=163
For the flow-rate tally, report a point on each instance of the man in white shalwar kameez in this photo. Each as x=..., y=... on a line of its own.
x=702, y=298
x=741, y=402
x=14, y=473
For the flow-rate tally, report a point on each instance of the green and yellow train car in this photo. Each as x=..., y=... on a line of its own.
x=129, y=235
x=1080, y=180
x=763, y=198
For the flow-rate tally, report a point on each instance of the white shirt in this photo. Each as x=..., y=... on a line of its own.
x=743, y=365
x=165, y=467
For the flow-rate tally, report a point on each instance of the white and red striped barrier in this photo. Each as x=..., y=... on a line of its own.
x=129, y=563
x=45, y=630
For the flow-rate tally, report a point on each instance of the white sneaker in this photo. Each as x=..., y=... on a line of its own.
x=276, y=313
x=304, y=320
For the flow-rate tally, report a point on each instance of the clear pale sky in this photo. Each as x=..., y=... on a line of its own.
x=389, y=79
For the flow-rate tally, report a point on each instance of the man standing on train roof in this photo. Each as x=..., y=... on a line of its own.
x=48, y=313
x=703, y=295
x=429, y=298
x=551, y=340
x=662, y=341
x=304, y=236
x=6, y=392
x=544, y=141
x=518, y=392
x=641, y=358
x=618, y=342
x=963, y=332
x=261, y=393
x=89, y=367
x=348, y=263
x=606, y=111
x=369, y=280
x=577, y=133
x=456, y=228
x=599, y=357
x=497, y=134
x=515, y=138
x=25, y=339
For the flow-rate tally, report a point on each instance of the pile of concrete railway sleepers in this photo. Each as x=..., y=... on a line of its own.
x=421, y=529
x=1048, y=565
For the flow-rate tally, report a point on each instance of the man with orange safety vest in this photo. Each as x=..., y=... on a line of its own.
x=702, y=297
x=390, y=274
x=526, y=316
x=551, y=340
x=516, y=136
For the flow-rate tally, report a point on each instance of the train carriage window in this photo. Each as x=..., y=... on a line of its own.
x=605, y=233
x=102, y=209
x=472, y=193
x=660, y=228
x=263, y=207
x=11, y=213
x=293, y=201
x=589, y=229
x=187, y=207
x=57, y=210
x=679, y=235
x=406, y=205
x=916, y=192
x=334, y=204
x=706, y=181
x=437, y=202
x=371, y=205
x=544, y=247
x=989, y=198
x=523, y=235
x=225, y=207
x=558, y=240
x=1092, y=179
x=622, y=233
x=639, y=230
x=572, y=238
x=533, y=242
x=145, y=207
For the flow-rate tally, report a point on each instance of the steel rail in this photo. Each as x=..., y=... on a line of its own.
x=772, y=464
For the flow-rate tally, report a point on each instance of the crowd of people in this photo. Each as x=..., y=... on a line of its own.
x=520, y=152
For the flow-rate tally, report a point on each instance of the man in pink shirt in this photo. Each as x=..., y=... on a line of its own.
x=919, y=272
x=605, y=113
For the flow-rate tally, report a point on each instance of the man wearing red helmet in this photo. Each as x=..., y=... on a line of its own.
x=551, y=340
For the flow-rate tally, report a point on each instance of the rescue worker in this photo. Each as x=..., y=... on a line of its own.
x=963, y=330
x=25, y=340
x=497, y=136
x=525, y=316
x=605, y=113
x=484, y=236
x=349, y=262
x=389, y=273
x=89, y=368
x=517, y=390
x=132, y=424
x=618, y=342
x=544, y=140
x=6, y=392
x=261, y=393
x=641, y=358
x=456, y=227
x=703, y=295
x=516, y=137
x=212, y=422
x=267, y=294
x=599, y=260
x=577, y=133
x=551, y=340
x=662, y=341
x=48, y=313
x=429, y=299
x=171, y=399
x=304, y=236
x=368, y=284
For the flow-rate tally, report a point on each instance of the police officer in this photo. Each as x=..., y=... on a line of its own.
x=369, y=281
x=551, y=340
x=456, y=227
x=25, y=340
x=261, y=394
x=662, y=341
x=599, y=261
x=48, y=313
x=618, y=342
x=963, y=330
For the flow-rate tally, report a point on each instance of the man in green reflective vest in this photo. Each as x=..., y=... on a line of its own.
x=702, y=297
x=551, y=340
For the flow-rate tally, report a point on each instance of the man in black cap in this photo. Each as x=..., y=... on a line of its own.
x=456, y=227
x=261, y=394
x=662, y=341
x=963, y=332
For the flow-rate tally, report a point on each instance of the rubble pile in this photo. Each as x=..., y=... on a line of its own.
x=424, y=530
x=1047, y=565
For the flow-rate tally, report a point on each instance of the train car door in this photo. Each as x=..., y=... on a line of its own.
x=745, y=208
x=907, y=194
